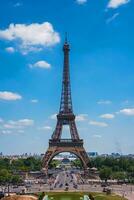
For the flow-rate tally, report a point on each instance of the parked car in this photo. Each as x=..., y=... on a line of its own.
x=1, y=194
x=107, y=190
x=104, y=184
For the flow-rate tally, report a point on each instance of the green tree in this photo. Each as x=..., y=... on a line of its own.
x=41, y=196
x=54, y=164
x=15, y=180
x=119, y=175
x=105, y=173
x=77, y=163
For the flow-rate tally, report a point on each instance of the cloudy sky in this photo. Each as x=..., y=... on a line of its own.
x=100, y=34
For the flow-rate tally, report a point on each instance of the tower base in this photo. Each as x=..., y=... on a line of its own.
x=65, y=145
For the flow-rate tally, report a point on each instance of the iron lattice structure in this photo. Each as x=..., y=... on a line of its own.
x=66, y=117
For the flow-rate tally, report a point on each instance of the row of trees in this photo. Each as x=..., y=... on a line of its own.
x=28, y=164
x=116, y=164
x=7, y=178
x=9, y=169
x=115, y=168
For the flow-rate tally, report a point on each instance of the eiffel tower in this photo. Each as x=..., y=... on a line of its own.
x=66, y=117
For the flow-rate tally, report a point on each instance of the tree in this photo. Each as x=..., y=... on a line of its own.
x=91, y=196
x=4, y=176
x=105, y=173
x=4, y=163
x=41, y=196
x=119, y=175
x=54, y=164
x=15, y=180
x=77, y=163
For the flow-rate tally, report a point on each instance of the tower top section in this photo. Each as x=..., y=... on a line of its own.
x=66, y=46
x=66, y=101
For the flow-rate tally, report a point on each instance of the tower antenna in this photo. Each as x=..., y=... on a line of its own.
x=65, y=37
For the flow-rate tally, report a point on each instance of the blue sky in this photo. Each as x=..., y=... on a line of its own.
x=100, y=34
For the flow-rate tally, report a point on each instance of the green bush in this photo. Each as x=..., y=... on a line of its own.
x=41, y=195
x=91, y=197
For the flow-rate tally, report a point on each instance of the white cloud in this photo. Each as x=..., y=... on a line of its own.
x=117, y=3
x=125, y=102
x=107, y=116
x=81, y=1
x=34, y=100
x=1, y=120
x=45, y=128
x=22, y=123
x=5, y=132
x=54, y=116
x=97, y=136
x=9, y=96
x=10, y=49
x=40, y=64
x=81, y=117
x=104, y=102
x=26, y=50
x=112, y=18
x=96, y=123
x=127, y=111
x=25, y=122
x=31, y=36
x=8, y=126
x=18, y=4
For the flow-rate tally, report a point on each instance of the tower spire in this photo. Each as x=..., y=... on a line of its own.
x=65, y=37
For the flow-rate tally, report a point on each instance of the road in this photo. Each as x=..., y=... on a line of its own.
x=65, y=180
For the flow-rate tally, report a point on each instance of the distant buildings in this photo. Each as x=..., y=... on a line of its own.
x=61, y=156
x=23, y=156
x=92, y=154
x=115, y=155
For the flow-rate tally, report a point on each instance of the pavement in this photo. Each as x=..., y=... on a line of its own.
x=130, y=196
x=20, y=197
x=127, y=195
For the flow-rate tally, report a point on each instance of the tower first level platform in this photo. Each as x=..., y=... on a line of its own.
x=66, y=145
